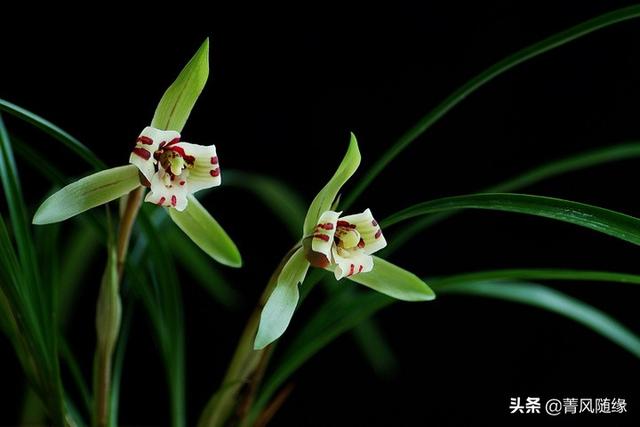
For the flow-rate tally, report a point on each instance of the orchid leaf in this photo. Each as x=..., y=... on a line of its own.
x=349, y=309
x=178, y=101
x=65, y=138
x=605, y=221
x=277, y=313
x=87, y=193
x=394, y=281
x=205, y=232
x=327, y=195
x=523, y=55
x=549, y=299
x=576, y=162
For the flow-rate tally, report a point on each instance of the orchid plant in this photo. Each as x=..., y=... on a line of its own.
x=344, y=245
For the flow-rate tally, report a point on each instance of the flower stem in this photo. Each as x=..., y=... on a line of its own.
x=126, y=225
x=246, y=368
x=109, y=311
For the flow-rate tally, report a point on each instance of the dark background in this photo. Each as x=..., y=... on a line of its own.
x=285, y=89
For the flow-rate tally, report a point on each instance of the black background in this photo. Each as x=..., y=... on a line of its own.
x=285, y=89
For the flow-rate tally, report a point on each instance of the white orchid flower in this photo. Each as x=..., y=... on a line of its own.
x=174, y=169
x=345, y=244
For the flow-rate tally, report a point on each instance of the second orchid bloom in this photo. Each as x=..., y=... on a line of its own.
x=342, y=244
x=345, y=244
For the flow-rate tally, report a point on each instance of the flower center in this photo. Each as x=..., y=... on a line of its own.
x=346, y=236
x=173, y=160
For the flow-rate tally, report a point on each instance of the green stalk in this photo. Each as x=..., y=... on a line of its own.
x=108, y=314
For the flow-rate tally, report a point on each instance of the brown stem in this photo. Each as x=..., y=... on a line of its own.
x=126, y=226
x=104, y=352
x=248, y=395
x=103, y=387
x=274, y=406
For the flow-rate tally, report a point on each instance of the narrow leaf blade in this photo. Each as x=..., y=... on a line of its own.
x=205, y=232
x=576, y=162
x=326, y=196
x=65, y=138
x=602, y=220
x=497, y=69
x=394, y=281
x=87, y=193
x=178, y=101
x=554, y=301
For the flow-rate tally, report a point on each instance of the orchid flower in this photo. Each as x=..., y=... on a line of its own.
x=173, y=170
x=342, y=244
x=345, y=244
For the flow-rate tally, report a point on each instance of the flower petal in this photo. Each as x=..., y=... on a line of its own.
x=325, y=199
x=202, y=228
x=148, y=143
x=204, y=169
x=348, y=263
x=282, y=302
x=323, y=233
x=394, y=281
x=369, y=230
x=172, y=195
x=87, y=193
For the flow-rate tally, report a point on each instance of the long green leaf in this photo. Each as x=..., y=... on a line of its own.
x=546, y=171
x=207, y=233
x=31, y=299
x=325, y=198
x=176, y=103
x=87, y=193
x=557, y=302
x=602, y=220
x=348, y=309
x=69, y=141
x=523, y=274
x=481, y=79
x=17, y=209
